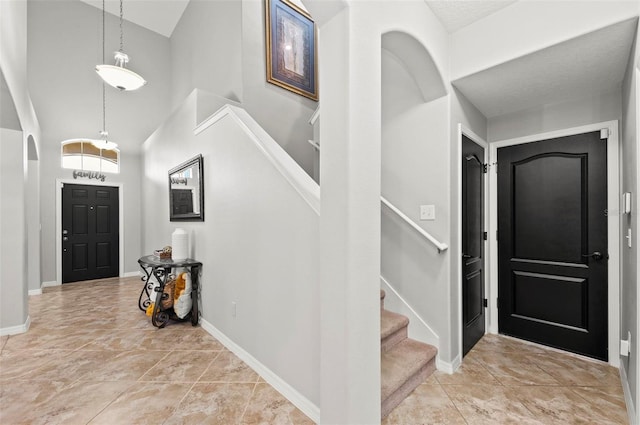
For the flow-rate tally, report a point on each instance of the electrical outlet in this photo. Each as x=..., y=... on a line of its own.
x=233, y=309
x=427, y=212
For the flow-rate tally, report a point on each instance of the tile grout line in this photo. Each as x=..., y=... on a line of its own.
x=244, y=411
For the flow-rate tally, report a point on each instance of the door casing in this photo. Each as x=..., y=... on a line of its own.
x=613, y=226
x=58, y=238
x=478, y=140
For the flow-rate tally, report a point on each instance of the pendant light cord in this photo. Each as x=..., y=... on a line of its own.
x=121, y=31
x=104, y=94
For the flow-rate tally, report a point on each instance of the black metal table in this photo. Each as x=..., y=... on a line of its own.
x=161, y=268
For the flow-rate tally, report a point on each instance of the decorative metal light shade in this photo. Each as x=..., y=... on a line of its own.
x=117, y=75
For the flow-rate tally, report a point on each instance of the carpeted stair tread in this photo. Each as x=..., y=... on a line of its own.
x=405, y=359
x=391, y=322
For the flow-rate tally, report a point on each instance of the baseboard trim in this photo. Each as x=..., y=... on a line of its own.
x=131, y=274
x=35, y=291
x=50, y=283
x=447, y=367
x=628, y=398
x=301, y=402
x=15, y=330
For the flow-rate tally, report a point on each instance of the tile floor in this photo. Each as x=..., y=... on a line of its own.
x=92, y=357
x=86, y=361
x=506, y=381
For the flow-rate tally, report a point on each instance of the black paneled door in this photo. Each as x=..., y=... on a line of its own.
x=552, y=242
x=473, y=271
x=90, y=232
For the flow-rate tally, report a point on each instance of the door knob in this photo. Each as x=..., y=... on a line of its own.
x=596, y=255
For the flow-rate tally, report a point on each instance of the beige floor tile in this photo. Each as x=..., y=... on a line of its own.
x=181, y=366
x=489, y=404
x=605, y=402
x=560, y=405
x=212, y=404
x=54, y=403
x=143, y=403
x=471, y=372
x=69, y=368
x=16, y=363
x=3, y=340
x=268, y=407
x=53, y=339
x=427, y=404
x=570, y=370
x=227, y=367
x=125, y=365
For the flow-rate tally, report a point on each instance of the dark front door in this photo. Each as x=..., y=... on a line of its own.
x=552, y=242
x=182, y=202
x=90, y=232
x=473, y=173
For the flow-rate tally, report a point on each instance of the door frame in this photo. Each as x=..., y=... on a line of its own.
x=462, y=130
x=58, y=238
x=613, y=224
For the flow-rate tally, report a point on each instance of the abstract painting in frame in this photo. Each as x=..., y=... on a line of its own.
x=291, y=48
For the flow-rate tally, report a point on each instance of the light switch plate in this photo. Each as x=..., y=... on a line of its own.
x=427, y=212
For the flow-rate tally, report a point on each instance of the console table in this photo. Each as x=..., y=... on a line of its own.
x=161, y=268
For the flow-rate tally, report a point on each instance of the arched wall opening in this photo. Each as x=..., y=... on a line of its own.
x=415, y=172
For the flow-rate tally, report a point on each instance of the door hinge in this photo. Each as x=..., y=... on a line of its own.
x=486, y=303
x=485, y=168
x=604, y=134
x=485, y=235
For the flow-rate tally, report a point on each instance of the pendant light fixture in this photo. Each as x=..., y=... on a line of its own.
x=117, y=75
x=103, y=142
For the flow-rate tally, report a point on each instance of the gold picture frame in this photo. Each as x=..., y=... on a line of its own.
x=291, y=48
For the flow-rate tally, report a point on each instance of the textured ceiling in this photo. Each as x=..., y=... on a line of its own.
x=455, y=14
x=160, y=16
x=590, y=64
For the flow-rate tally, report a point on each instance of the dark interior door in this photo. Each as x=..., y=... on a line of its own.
x=473, y=173
x=90, y=232
x=552, y=228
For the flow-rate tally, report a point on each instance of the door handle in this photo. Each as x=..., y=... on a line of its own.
x=596, y=255
x=467, y=256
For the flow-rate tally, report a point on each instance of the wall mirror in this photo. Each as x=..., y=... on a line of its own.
x=186, y=191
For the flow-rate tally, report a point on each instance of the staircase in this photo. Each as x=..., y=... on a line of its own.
x=405, y=363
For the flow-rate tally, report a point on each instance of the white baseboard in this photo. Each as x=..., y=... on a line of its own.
x=301, y=402
x=35, y=291
x=628, y=398
x=447, y=367
x=14, y=330
x=131, y=274
x=50, y=283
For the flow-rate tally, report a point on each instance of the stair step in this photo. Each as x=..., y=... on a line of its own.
x=404, y=367
x=393, y=329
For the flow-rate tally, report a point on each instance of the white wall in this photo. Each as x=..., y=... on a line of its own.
x=629, y=156
x=68, y=99
x=219, y=46
x=130, y=177
x=13, y=244
x=415, y=163
x=258, y=244
x=13, y=65
x=481, y=45
x=67, y=93
x=557, y=116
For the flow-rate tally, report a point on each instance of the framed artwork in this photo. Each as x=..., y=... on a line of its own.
x=291, y=48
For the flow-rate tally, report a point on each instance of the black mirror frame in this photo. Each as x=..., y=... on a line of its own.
x=193, y=216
